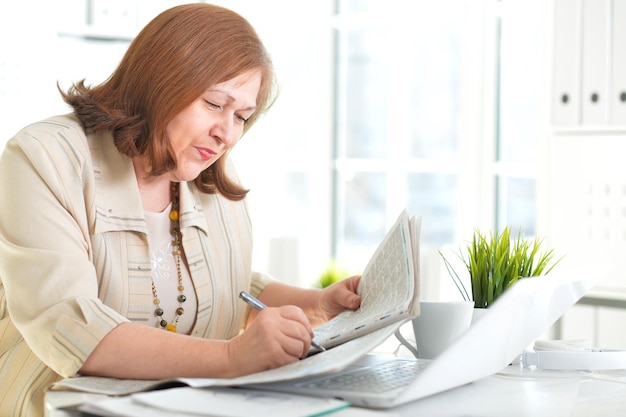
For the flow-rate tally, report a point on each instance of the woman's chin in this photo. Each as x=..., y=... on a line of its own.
x=189, y=174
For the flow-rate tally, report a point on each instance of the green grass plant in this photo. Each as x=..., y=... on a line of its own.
x=496, y=261
x=333, y=273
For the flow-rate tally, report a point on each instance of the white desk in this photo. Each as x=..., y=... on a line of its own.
x=515, y=392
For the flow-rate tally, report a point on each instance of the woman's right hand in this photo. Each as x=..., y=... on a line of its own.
x=276, y=337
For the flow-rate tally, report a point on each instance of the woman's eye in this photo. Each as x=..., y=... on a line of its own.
x=213, y=105
x=241, y=119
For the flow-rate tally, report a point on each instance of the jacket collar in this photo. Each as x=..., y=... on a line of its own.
x=191, y=209
x=118, y=202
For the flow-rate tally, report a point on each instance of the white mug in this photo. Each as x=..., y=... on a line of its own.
x=439, y=324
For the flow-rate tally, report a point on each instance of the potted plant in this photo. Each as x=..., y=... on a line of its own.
x=496, y=262
x=333, y=273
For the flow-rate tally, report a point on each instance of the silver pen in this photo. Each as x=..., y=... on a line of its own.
x=258, y=305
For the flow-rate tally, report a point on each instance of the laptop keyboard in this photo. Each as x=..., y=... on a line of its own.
x=382, y=377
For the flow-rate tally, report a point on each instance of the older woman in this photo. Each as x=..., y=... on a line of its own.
x=124, y=233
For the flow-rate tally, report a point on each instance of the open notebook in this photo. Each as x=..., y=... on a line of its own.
x=512, y=323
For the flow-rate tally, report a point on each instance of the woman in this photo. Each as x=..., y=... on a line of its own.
x=125, y=219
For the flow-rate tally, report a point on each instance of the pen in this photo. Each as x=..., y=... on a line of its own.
x=258, y=305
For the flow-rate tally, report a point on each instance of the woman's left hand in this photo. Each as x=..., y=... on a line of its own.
x=338, y=297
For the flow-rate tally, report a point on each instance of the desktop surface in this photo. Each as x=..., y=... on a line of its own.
x=515, y=392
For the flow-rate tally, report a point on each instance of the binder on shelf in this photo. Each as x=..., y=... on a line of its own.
x=566, y=47
x=618, y=71
x=595, y=62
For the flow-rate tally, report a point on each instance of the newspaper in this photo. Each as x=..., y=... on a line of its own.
x=389, y=287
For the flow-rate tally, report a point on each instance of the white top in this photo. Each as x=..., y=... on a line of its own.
x=165, y=275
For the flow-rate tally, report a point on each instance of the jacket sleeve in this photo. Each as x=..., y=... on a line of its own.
x=46, y=268
x=259, y=282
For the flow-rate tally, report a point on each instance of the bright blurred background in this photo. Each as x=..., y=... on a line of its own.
x=436, y=106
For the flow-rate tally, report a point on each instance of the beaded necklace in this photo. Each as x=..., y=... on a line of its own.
x=174, y=216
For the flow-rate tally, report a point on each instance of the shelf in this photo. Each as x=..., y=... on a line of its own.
x=605, y=297
x=589, y=130
x=100, y=33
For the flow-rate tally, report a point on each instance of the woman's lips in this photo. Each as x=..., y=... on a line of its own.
x=205, y=153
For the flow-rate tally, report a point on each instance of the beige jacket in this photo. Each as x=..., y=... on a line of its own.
x=74, y=260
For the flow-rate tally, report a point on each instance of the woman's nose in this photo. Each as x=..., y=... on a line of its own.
x=224, y=130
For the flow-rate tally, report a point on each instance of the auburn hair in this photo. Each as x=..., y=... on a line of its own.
x=172, y=61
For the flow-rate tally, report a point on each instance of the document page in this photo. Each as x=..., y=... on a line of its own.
x=223, y=402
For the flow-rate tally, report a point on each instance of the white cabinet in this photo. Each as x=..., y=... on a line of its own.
x=600, y=323
x=587, y=173
x=589, y=67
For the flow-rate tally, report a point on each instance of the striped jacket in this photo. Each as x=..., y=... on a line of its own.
x=74, y=260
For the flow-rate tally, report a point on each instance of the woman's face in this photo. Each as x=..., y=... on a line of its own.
x=212, y=124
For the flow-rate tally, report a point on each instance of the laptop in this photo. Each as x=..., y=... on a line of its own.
x=513, y=322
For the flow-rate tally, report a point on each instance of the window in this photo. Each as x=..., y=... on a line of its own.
x=439, y=111
x=398, y=120
x=520, y=111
